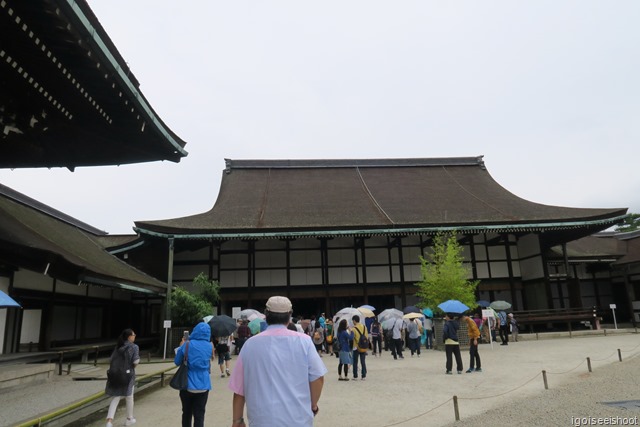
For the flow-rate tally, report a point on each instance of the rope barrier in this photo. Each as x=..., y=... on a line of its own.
x=514, y=389
x=501, y=394
x=419, y=415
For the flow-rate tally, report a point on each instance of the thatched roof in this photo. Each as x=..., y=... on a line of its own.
x=277, y=197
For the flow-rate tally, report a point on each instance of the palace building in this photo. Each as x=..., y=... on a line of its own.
x=334, y=233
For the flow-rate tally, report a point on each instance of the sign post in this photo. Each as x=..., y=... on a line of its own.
x=488, y=314
x=167, y=326
x=613, y=309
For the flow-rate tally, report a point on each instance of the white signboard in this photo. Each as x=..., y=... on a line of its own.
x=487, y=314
x=167, y=324
x=235, y=312
x=612, y=306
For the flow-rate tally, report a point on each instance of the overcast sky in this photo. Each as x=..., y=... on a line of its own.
x=547, y=91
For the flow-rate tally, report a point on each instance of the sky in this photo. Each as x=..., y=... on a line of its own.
x=547, y=91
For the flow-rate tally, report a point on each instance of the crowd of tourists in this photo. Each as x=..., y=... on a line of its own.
x=263, y=352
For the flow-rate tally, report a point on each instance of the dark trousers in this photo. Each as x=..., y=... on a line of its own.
x=362, y=356
x=504, y=334
x=453, y=350
x=193, y=407
x=474, y=361
x=428, y=343
x=377, y=343
x=414, y=345
x=396, y=348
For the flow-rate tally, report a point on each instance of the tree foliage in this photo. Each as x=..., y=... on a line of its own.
x=189, y=308
x=630, y=223
x=444, y=276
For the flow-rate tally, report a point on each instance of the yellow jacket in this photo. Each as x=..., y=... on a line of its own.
x=474, y=332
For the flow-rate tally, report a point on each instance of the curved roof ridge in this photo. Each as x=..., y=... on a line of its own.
x=351, y=163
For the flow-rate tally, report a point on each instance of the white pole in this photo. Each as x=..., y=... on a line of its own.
x=164, y=355
x=615, y=324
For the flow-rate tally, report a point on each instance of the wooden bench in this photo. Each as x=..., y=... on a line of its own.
x=558, y=315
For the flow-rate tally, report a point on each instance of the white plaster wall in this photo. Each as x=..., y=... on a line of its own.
x=529, y=248
x=27, y=279
x=30, y=331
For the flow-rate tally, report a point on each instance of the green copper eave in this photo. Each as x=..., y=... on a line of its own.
x=114, y=63
x=392, y=231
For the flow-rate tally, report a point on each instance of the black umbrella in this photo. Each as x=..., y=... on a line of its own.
x=222, y=326
x=411, y=309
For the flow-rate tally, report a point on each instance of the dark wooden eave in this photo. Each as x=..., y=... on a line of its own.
x=307, y=198
x=67, y=97
x=39, y=238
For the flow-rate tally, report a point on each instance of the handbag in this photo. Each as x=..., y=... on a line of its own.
x=180, y=380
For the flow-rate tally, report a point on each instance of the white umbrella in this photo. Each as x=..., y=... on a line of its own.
x=251, y=314
x=346, y=313
x=390, y=313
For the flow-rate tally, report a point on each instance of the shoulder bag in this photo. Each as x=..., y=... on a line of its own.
x=180, y=380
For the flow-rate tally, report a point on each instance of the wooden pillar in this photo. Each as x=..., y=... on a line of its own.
x=169, y=279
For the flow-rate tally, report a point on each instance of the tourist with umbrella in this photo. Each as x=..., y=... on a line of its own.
x=414, y=330
x=451, y=343
x=501, y=306
x=222, y=326
x=427, y=333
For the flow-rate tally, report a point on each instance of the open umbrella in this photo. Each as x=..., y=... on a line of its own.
x=483, y=303
x=427, y=312
x=370, y=307
x=453, y=306
x=257, y=325
x=366, y=312
x=222, y=326
x=389, y=313
x=206, y=319
x=346, y=313
x=249, y=314
x=6, y=301
x=413, y=315
x=410, y=309
x=500, y=305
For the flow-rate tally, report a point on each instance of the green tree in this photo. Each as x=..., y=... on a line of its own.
x=630, y=223
x=188, y=308
x=444, y=276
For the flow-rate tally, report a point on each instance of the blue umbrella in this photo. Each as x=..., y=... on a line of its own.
x=7, y=301
x=483, y=303
x=427, y=312
x=370, y=307
x=453, y=306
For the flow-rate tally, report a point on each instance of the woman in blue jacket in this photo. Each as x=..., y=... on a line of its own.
x=345, y=337
x=199, y=350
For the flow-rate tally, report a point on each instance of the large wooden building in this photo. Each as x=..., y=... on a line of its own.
x=332, y=233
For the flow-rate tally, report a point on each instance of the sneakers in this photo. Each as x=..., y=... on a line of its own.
x=470, y=370
x=222, y=375
x=448, y=373
x=478, y=369
x=228, y=372
x=130, y=422
x=363, y=378
x=459, y=372
x=109, y=424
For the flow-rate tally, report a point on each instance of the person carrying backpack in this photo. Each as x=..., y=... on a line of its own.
x=318, y=339
x=361, y=344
